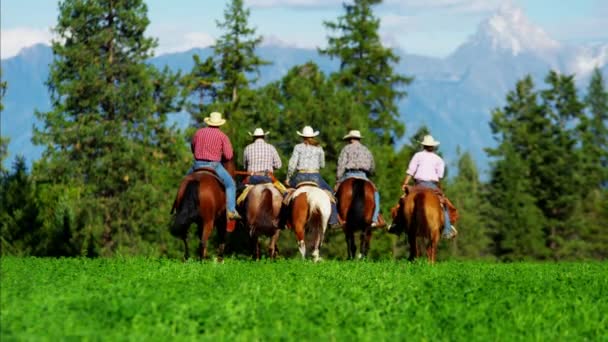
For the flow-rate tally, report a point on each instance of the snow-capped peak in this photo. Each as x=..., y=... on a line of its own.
x=509, y=29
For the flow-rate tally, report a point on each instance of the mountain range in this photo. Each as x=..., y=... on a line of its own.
x=453, y=96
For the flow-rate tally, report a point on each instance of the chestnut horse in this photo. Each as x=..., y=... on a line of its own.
x=263, y=207
x=356, y=206
x=420, y=216
x=201, y=199
x=309, y=209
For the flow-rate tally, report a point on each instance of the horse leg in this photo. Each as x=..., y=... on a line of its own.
x=186, y=250
x=255, y=247
x=206, y=232
x=413, y=247
x=221, y=233
x=350, y=244
x=272, y=249
x=366, y=236
x=317, y=244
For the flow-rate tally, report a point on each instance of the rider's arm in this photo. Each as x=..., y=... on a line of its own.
x=341, y=162
x=293, y=162
x=227, y=149
x=321, y=158
x=276, y=160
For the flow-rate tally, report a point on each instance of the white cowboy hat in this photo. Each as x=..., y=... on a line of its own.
x=429, y=141
x=258, y=133
x=307, y=132
x=215, y=119
x=353, y=134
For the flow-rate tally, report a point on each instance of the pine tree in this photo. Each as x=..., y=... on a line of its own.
x=223, y=82
x=3, y=141
x=516, y=223
x=366, y=67
x=467, y=193
x=106, y=134
x=595, y=133
x=557, y=181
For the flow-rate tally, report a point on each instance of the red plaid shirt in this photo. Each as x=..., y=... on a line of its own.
x=209, y=143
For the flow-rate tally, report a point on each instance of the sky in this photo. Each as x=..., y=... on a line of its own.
x=425, y=27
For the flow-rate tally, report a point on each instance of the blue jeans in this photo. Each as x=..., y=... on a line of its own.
x=447, y=227
x=361, y=174
x=226, y=179
x=316, y=177
x=255, y=179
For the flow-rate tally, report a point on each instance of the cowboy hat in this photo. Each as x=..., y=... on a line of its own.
x=258, y=132
x=307, y=132
x=355, y=134
x=429, y=141
x=215, y=119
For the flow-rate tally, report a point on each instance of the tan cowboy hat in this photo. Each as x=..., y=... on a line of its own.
x=353, y=134
x=429, y=141
x=308, y=132
x=258, y=133
x=215, y=119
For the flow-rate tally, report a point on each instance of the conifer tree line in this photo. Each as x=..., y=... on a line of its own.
x=112, y=162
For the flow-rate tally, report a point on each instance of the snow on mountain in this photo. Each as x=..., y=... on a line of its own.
x=509, y=29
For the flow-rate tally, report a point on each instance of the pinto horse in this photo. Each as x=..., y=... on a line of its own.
x=201, y=199
x=356, y=205
x=420, y=215
x=308, y=209
x=263, y=207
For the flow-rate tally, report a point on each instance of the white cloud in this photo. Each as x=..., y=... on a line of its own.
x=461, y=6
x=294, y=3
x=14, y=39
x=172, y=40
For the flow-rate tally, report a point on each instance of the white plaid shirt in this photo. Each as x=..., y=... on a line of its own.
x=306, y=157
x=355, y=156
x=261, y=156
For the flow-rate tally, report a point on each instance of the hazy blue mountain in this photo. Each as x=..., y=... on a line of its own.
x=453, y=96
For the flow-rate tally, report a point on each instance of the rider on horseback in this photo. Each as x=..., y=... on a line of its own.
x=209, y=147
x=260, y=159
x=356, y=160
x=427, y=168
x=306, y=160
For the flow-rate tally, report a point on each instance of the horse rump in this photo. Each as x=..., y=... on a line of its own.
x=187, y=211
x=264, y=218
x=355, y=215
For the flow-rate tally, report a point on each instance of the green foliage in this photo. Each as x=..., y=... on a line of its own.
x=3, y=141
x=107, y=131
x=159, y=299
x=366, y=67
x=466, y=192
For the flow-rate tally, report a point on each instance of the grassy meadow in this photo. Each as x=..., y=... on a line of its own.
x=164, y=299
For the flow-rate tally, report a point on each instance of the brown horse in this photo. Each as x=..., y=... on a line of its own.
x=201, y=199
x=420, y=215
x=263, y=207
x=356, y=206
x=308, y=209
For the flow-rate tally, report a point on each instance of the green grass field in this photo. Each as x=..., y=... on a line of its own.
x=160, y=299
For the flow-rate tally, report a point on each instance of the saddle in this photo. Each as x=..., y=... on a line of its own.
x=445, y=202
x=194, y=176
x=357, y=177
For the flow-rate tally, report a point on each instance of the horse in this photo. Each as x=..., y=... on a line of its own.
x=308, y=209
x=420, y=215
x=355, y=199
x=201, y=199
x=263, y=207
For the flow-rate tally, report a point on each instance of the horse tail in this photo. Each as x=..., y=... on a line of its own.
x=319, y=206
x=356, y=212
x=264, y=217
x=187, y=212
